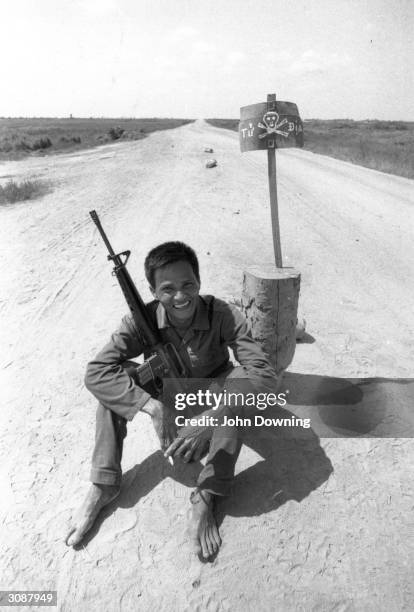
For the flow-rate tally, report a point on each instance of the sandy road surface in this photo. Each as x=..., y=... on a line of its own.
x=315, y=523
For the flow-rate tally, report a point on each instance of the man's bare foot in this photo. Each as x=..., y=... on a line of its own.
x=203, y=527
x=97, y=497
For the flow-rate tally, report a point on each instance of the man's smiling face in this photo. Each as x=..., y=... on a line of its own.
x=177, y=288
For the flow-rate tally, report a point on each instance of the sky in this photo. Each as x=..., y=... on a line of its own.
x=206, y=58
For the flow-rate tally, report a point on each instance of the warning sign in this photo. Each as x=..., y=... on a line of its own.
x=262, y=127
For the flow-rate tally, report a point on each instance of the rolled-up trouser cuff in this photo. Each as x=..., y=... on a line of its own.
x=218, y=477
x=105, y=477
x=221, y=489
x=132, y=411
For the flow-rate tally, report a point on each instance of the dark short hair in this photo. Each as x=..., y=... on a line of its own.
x=168, y=253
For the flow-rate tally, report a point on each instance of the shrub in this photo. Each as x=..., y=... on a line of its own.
x=27, y=190
x=70, y=139
x=22, y=146
x=116, y=132
x=6, y=146
x=41, y=143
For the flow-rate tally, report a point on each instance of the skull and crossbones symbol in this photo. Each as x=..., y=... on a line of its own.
x=271, y=124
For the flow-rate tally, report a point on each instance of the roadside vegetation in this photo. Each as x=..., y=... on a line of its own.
x=26, y=190
x=387, y=146
x=33, y=136
x=228, y=124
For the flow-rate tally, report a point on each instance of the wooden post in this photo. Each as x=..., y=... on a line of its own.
x=274, y=212
x=270, y=302
x=271, y=171
x=271, y=293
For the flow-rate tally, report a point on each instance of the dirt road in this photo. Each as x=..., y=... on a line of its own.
x=316, y=523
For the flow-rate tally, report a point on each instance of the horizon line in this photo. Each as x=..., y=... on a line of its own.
x=133, y=118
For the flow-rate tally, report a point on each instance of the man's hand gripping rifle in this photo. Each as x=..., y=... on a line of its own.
x=164, y=360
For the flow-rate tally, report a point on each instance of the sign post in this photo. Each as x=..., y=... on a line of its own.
x=274, y=211
x=271, y=292
x=271, y=125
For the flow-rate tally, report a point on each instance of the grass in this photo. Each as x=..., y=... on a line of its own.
x=228, y=124
x=41, y=136
x=27, y=190
x=387, y=146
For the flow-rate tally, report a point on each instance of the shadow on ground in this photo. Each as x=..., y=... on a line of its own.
x=353, y=407
x=293, y=462
x=293, y=465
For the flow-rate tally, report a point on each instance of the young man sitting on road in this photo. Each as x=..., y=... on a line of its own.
x=202, y=328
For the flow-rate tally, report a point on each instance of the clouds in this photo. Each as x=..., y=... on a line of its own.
x=98, y=8
x=313, y=62
x=235, y=58
x=288, y=63
x=211, y=58
x=188, y=50
x=182, y=34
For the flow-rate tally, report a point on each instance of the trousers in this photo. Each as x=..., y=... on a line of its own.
x=216, y=475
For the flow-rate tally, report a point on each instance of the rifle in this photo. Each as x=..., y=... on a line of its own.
x=164, y=360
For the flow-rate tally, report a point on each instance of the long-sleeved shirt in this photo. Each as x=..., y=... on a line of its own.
x=204, y=350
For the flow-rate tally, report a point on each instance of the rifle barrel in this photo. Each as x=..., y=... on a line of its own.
x=101, y=230
x=133, y=298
